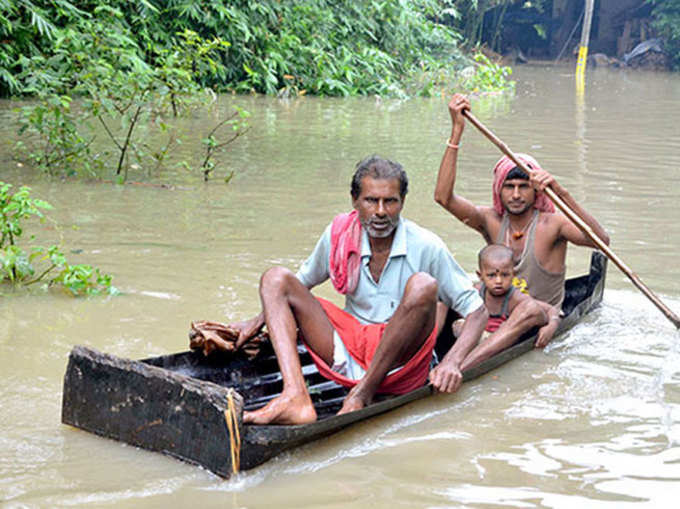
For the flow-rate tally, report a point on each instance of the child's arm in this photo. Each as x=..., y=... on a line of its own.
x=546, y=332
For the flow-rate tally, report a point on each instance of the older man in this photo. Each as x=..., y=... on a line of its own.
x=392, y=273
x=523, y=218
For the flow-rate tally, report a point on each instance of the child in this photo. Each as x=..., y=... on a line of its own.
x=501, y=298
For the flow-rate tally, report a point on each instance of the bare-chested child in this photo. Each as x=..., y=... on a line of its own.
x=507, y=306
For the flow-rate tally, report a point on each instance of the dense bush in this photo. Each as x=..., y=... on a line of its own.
x=666, y=15
x=341, y=47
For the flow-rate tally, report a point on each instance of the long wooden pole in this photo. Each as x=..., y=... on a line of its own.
x=579, y=222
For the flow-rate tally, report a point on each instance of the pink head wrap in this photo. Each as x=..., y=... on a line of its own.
x=345, y=255
x=500, y=173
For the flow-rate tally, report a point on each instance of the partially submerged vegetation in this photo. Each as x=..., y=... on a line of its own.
x=109, y=78
x=486, y=76
x=97, y=84
x=23, y=263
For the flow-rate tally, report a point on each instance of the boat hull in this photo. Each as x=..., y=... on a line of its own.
x=181, y=404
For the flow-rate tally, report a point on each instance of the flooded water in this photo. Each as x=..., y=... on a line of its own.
x=592, y=421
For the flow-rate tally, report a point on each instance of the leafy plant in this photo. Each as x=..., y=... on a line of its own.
x=60, y=146
x=99, y=61
x=347, y=48
x=486, y=76
x=27, y=29
x=239, y=126
x=666, y=21
x=123, y=92
x=17, y=264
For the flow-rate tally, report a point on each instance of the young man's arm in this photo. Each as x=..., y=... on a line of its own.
x=444, y=194
x=568, y=230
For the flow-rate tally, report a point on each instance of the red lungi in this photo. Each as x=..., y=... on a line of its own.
x=361, y=342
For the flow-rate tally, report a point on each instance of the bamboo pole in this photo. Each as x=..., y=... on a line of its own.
x=579, y=222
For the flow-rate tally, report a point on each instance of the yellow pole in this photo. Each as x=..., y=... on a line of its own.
x=583, y=47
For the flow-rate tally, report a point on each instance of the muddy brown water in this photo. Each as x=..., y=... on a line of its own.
x=592, y=421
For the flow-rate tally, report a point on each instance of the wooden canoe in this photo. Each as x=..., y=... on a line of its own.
x=180, y=404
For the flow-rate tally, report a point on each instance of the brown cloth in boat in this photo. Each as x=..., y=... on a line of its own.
x=209, y=336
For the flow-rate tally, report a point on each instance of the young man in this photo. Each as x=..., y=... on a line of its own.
x=522, y=217
x=392, y=273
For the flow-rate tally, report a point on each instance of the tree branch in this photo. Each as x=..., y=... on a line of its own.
x=109, y=132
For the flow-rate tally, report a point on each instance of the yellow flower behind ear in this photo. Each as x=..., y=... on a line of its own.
x=520, y=284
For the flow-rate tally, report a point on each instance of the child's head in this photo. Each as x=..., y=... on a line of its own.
x=496, y=268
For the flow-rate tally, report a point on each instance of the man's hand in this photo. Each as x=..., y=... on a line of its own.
x=446, y=377
x=247, y=329
x=540, y=179
x=457, y=104
x=546, y=333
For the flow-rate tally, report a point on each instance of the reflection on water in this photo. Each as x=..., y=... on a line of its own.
x=594, y=420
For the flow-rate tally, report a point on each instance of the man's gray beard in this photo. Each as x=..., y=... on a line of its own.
x=381, y=234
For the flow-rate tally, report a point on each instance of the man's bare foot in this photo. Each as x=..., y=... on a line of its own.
x=354, y=401
x=283, y=410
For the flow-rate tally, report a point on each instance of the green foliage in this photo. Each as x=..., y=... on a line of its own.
x=238, y=124
x=28, y=28
x=98, y=60
x=471, y=23
x=18, y=266
x=666, y=16
x=342, y=47
x=481, y=21
x=124, y=93
x=15, y=207
x=486, y=76
x=109, y=77
x=55, y=142
x=339, y=48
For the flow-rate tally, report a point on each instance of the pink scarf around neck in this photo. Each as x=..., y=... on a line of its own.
x=345, y=255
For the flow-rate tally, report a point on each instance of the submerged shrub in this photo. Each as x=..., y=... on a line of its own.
x=486, y=76
x=24, y=265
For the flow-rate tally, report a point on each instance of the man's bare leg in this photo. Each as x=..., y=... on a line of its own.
x=404, y=334
x=287, y=305
x=526, y=315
